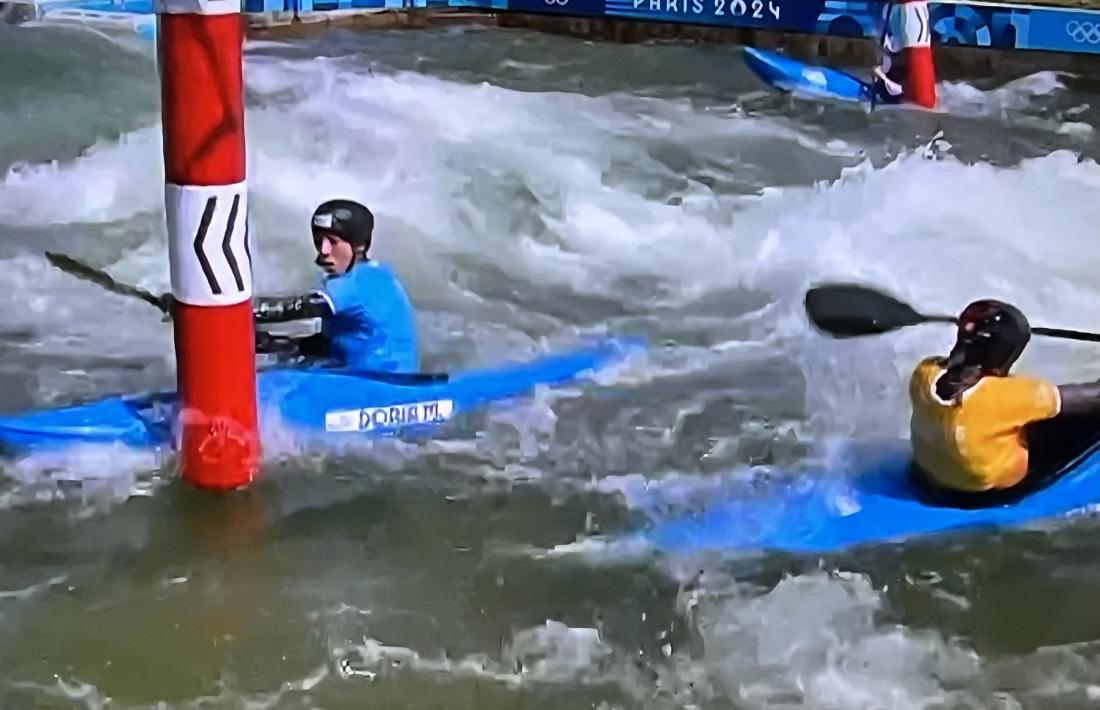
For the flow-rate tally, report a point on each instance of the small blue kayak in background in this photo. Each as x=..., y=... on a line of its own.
x=883, y=503
x=787, y=74
x=312, y=403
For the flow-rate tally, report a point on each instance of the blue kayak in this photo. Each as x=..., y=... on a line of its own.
x=313, y=403
x=787, y=74
x=883, y=503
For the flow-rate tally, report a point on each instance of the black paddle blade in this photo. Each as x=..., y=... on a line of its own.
x=846, y=310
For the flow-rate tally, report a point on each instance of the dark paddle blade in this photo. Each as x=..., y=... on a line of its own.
x=82, y=271
x=846, y=310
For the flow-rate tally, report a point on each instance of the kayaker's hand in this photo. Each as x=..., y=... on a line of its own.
x=167, y=300
x=315, y=346
x=280, y=345
x=1080, y=398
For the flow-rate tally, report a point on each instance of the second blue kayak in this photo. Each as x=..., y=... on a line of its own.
x=787, y=74
x=828, y=511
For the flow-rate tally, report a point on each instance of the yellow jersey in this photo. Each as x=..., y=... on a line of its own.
x=977, y=443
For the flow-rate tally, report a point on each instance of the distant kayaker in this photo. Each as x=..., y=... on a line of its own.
x=970, y=415
x=907, y=73
x=367, y=319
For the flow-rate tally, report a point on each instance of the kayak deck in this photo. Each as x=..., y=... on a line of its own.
x=312, y=402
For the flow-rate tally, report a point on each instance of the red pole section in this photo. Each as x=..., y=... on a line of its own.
x=200, y=46
x=916, y=41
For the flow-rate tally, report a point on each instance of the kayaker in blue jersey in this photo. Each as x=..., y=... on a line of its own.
x=972, y=420
x=367, y=319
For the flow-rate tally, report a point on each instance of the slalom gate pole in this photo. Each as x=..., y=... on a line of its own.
x=916, y=42
x=200, y=52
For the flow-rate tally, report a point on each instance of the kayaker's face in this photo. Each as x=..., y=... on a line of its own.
x=334, y=255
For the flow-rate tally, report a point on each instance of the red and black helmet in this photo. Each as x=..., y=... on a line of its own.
x=992, y=334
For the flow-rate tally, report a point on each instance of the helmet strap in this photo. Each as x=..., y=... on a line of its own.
x=355, y=252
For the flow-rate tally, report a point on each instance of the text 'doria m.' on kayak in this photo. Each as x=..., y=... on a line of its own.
x=374, y=418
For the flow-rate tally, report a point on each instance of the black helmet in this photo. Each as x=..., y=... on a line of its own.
x=347, y=219
x=992, y=335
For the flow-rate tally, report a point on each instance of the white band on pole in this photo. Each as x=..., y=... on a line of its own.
x=916, y=30
x=210, y=257
x=198, y=7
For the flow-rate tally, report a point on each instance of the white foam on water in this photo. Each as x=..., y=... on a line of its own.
x=31, y=591
x=817, y=641
x=1015, y=103
x=564, y=224
x=96, y=477
x=80, y=693
x=103, y=185
x=552, y=653
x=1016, y=94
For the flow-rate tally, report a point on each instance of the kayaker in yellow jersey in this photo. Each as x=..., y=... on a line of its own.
x=970, y=415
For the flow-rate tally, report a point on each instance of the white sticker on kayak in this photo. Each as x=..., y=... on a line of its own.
x=371, y=418
x=815, y=76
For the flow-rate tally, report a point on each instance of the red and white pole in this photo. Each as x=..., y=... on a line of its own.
x=916, y=43
x=200, y=44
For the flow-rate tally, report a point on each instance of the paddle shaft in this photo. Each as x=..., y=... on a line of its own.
x=1039, y=330
x=101, y=278
x=878, y=51
x=1067, y=334
x=1048, y=332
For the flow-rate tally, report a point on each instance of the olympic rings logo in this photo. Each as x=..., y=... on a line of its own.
x=561, y=3
x=1083, y=32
